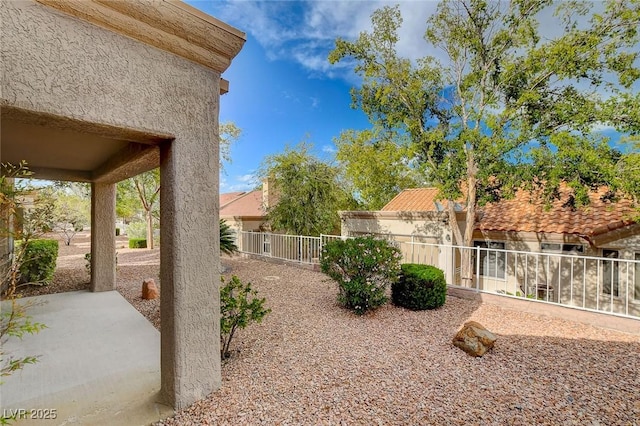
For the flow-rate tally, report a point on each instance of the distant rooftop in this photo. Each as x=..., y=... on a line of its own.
x=525, y=213
x=241, y=204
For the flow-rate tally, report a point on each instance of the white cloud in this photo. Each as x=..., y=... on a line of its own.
x=305, y=32
x=248, y=178
x=329, y=149
x=239, y=183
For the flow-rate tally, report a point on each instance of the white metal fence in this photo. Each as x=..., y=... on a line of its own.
x=600, y=284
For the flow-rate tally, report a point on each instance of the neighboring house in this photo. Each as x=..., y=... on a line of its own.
x=243, y=211
x=508, y=234
x=246, y=211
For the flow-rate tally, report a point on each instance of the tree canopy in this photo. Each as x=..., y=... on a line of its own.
x=507, y=108
x=379, y=164
x=309, y=192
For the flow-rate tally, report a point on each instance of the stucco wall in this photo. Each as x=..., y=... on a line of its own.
x=398, y=226
x=123, y=82
x=60, y=65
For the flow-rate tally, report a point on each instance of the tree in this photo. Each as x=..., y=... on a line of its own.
x=69, y=207
x=507, y=109
x=628, y=169
x=379, y=163
x=229, y=134
x=141, y=193
x=309, y=194
x=147, y=188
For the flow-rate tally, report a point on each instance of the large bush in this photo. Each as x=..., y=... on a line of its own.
x=420, y=287
x=363, y=267
x=39, y=261
x=239, y=307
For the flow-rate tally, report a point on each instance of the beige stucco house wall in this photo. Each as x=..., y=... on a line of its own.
x=100, y=91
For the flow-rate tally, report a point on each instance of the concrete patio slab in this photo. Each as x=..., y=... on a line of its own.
x=99, y=363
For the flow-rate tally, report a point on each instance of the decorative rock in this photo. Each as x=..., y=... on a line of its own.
x=149, y=289
x=474, y=339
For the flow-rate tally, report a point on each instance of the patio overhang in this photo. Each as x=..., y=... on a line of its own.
x=98, y=91
x=63, y=148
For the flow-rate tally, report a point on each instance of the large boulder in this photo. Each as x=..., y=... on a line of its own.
x=149, y=289
x=474, y=339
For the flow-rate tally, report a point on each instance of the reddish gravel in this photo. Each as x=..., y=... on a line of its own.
x=312, y=362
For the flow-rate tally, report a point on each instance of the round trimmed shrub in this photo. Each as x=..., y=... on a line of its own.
x=419, y=287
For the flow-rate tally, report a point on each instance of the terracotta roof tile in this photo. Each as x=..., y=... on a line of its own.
x=525, y=213
x=247, y=204
x=416, y=199
x=522, y=215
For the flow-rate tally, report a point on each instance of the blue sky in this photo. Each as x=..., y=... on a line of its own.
x=282, y=88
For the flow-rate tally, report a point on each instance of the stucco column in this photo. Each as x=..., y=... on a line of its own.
x=103, y=237
x=190, y=266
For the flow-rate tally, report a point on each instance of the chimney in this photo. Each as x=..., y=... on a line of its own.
x=269, y=193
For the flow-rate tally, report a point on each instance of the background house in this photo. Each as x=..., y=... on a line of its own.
x=247, y=211
x=576, y=256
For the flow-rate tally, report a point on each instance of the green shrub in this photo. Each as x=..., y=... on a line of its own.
x=39, y=261
x=420, y=287
x=239, y=307
x=137, y=243
x=363, y=267
x=87, y=264
x=227, y=239
x=117, y=232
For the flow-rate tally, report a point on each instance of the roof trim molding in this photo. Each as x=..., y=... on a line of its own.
x=616, y=234
x=169, y=25
x=384, y=214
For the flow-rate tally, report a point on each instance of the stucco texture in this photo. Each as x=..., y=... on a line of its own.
x=56, y=64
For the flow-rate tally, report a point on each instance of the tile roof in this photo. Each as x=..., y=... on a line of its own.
x=525, y=213
x=242, y=204
x=415, y=200
x=228, y=197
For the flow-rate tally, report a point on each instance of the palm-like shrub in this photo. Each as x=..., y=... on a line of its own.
x=227, y=240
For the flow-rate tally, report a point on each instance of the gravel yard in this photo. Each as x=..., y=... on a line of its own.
x=312, y=362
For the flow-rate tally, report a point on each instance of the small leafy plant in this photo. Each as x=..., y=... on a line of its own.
x=87, y=264
x=239, y=307
x=363, y=267
x=420, y=287
x=14, y=321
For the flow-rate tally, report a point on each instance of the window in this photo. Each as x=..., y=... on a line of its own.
x=636, y=286
x=491, y=261
x=564, y=248
x=610, y=283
